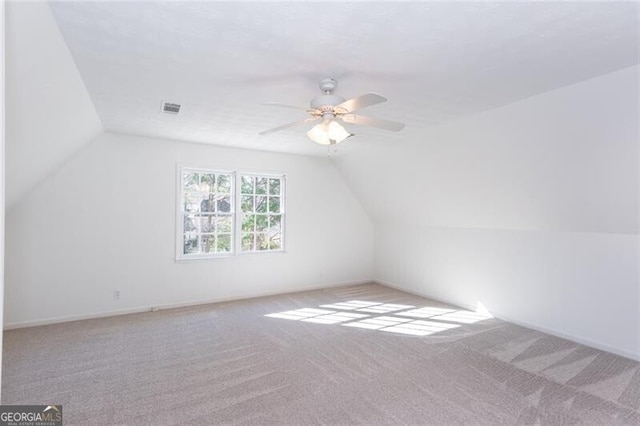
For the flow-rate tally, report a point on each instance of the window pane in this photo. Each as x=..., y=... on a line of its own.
x=247, y=203
x=261, y=185
x=207, y=223
x=261, y=204
x=275, y=232
x=248, y=223
x=262, y=222
x=247, y=185
x=247, y=242
x=208, y=243
x=274, y=186
x=274, y=244
x=191, y=244
x=190, y=181
x=275, y=239
x=224, y=243
x=224, y=223
x=190, y=223
x=207, y=182
x=191, y=202
x=274, y=204
x=275, y=222
x=224, y=183
x=262, y=242
x=206, y=203
x=224, y=204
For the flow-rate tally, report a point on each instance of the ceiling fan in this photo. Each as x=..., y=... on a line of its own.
x=330, y=108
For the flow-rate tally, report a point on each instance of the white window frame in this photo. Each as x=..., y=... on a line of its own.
x=236, y=212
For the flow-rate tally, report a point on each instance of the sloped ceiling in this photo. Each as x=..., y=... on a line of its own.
x=74, y=69
x=565, y=160
x=434, y=61
x=49, y=114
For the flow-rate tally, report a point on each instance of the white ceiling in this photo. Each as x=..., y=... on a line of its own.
x=434, y=61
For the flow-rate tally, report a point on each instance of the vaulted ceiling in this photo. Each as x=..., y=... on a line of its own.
x=434, y=61
x=75, y=69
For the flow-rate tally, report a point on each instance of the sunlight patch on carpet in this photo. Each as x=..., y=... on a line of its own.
x=399, y=319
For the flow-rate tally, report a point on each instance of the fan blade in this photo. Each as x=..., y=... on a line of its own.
x=361, y=101
x=285, y=105
x=373, y=122
x=286, y=126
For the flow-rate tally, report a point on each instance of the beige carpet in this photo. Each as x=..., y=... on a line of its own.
x=372, y=356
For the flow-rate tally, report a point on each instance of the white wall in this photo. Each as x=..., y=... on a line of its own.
x=51, y=115
x=530, y=209
x=107, y=219
x=2, y=168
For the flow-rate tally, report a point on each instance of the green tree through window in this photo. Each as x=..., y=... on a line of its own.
x=262, y=212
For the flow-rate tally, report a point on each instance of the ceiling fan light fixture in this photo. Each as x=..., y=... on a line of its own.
x=328, y=133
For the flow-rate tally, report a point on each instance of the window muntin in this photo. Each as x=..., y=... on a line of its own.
x=262, y=209
x=220, y=215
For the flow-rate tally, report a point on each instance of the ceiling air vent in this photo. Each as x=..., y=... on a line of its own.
x=170, y=108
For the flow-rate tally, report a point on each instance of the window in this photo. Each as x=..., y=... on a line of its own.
x=261, y=213
x=208, y=225
x=207, y=212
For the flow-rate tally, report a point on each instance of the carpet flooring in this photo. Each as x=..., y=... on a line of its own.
x=363, y=354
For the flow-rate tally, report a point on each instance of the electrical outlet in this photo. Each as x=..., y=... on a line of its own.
x=116, y=294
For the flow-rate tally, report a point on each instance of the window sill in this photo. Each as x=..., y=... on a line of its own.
x=230, y=256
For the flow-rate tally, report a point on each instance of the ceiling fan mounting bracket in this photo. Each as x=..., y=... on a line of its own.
x=328, y=85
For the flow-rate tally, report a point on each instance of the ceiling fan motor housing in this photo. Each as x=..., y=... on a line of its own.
x=326, y=101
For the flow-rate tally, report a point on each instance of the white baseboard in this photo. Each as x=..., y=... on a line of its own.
x=577, y=339
x=105, y=314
